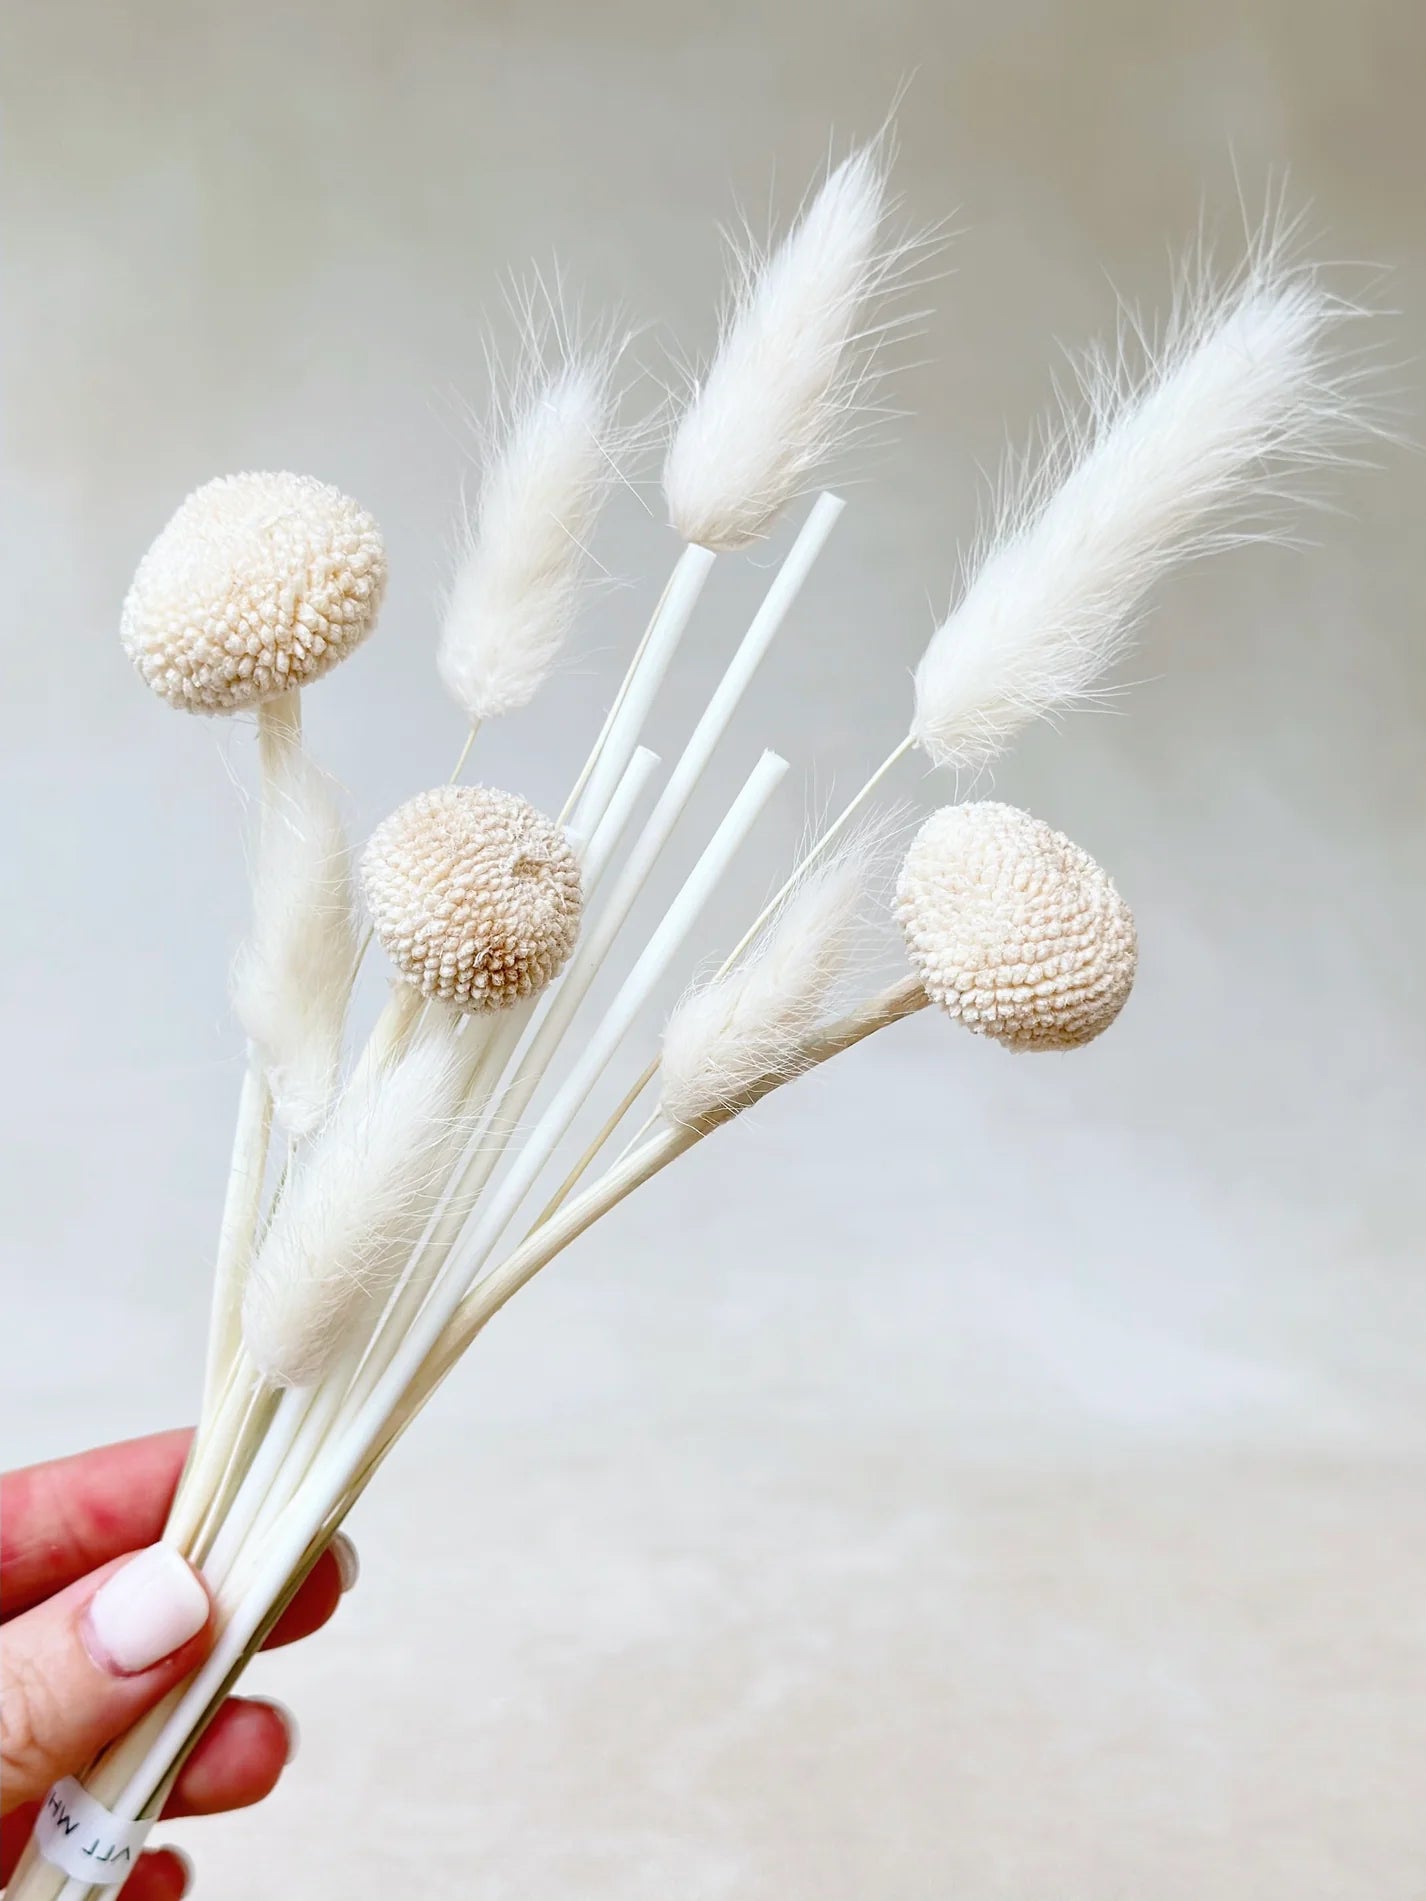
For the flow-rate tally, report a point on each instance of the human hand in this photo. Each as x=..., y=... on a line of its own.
x=101, y=1622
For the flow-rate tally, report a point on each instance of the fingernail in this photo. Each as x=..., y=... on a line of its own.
x=288, y=1722
x=348, y=1563
x=144, y=1612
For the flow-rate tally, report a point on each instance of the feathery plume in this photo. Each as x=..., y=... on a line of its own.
x=293, y=976
x=784, y=383
x=728, y=1033
x=1247, y=389
x=517, y=588
x=345, y=1229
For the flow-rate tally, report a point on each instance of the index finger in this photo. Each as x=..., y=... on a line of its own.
x=61, y=1520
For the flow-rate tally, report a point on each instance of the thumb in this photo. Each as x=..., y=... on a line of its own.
x=77, y=1670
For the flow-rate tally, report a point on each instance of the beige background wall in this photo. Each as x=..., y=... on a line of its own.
x=978, y=1479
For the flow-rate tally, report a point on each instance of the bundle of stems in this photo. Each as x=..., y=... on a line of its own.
x=383, y=1205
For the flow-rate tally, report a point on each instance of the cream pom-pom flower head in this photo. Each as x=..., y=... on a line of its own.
x=259, y=583
x=474, y=894
x=1013, y=930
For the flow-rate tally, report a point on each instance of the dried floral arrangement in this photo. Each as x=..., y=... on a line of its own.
x=384, y=1204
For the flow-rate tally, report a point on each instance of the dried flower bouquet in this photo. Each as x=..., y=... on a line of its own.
x=382, y=1207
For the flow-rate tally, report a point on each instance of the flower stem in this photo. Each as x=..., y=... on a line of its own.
x=646, y=1076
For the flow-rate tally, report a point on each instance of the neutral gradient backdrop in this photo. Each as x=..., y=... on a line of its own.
x=975, y=1477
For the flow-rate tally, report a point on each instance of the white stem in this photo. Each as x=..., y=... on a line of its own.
x=243, y=1513
x=576, y=791
x=303, y=1430
x=558, y=1008
x=459, y=767
x=471, y=1173
x=822, y=845
x=487, y=1144
x=596, y=942
x=597, y=939
x=643, y=1160
x=616, y=743
x=338, y=1461
x=279, y=729
x=242, y=1210
x=648, y=971
x=652, y=1149
x=752, y=650
x=817, y=851
x=595, y=856
x=538, y=1249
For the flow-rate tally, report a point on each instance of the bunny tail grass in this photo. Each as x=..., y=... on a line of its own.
x=751, y=1020
x=293, y=976
x=519, y=584
x=787, y=381
x=346, y=1227
x=1249, y=388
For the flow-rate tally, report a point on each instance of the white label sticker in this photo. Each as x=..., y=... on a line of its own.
x=80, y=1836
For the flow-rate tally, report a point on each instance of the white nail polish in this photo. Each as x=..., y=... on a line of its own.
x=348, y=1563
x=144, y=1612
x=288, y=1721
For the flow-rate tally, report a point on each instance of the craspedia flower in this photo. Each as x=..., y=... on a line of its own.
x=1013, y=929
x=258, y=583
x=474, y=894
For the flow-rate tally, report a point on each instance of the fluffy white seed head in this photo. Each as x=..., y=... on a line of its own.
x=1013, y=930
x=293, y=976
x=1191, y=451
x=522, y=574
x=474, y=894
x=728, y=1033
x=352, y=1214
x=258, y=583
x=782, y=390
